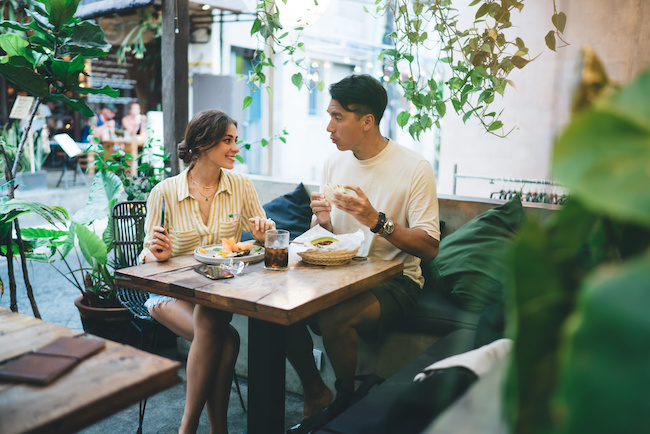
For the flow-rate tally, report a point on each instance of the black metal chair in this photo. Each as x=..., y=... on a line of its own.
x=128, y=237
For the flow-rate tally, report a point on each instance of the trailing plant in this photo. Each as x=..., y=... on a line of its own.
x=580, y=288
x=477, y=60
x=45, y=56
x=264, y=141
x=147, y=21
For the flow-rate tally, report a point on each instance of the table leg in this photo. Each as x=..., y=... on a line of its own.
x=266, y=376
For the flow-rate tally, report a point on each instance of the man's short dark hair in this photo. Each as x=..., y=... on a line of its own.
x=361, y=94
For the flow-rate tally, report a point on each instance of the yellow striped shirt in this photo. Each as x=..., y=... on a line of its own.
x=236, y=195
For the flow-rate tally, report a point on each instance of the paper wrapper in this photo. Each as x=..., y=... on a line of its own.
x=345, y=241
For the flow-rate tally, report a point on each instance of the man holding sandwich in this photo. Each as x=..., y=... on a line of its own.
x=389, y=192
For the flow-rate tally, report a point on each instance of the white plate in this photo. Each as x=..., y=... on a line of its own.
x=211, y=255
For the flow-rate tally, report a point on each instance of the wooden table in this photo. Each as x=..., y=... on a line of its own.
x=272, y=300
x=111, y=380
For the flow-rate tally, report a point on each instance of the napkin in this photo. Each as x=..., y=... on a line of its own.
x=345, y=241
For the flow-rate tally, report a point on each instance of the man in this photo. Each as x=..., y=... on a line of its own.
x=102, y=125
x=396, y=205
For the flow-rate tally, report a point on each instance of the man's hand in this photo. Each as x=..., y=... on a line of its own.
x=321, y=208
x=358, y=207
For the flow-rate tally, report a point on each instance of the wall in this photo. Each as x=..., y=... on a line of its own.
x=539, y=106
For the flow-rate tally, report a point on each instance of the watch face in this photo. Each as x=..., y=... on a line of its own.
x=389, y=227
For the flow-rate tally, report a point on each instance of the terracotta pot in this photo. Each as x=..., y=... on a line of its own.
x=110, y=322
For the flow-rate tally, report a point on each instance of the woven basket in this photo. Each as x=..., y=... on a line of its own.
x=319, y=257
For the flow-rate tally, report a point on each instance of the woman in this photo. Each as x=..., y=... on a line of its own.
x=134, y=123
x=202, y=205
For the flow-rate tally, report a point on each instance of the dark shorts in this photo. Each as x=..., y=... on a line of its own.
x=397, y=299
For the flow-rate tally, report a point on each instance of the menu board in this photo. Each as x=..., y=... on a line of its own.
x=108, y=71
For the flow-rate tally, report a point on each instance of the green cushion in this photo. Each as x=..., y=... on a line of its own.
x=471, y=262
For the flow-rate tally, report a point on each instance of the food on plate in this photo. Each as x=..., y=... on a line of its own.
x=244, y=245
x=322, y=241
x=329, y=190
x=230, y=246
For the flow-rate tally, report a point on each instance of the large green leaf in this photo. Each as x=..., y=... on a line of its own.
x=50, y=214
x=87, y=39
x=604, y=154
x=25, y=78
x=632, y=101
x=106, y=188
x=14, y=25
x=61, y=11
x=78, y=104
x=40, y=17
x=42, y=233
x=91, y=245
x=67, y=71
x=13, y=44
x=106, y=90
x=606, y=376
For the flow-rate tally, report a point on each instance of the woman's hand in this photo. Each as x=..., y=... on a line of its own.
x=161, y=244
x=259, y=226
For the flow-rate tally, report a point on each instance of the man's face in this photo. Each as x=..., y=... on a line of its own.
x=345, y=128
x=107, y=114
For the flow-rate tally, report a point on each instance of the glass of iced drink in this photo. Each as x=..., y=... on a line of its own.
x=276, y=249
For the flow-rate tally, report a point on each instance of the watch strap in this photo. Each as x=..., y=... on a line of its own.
x=380, y=223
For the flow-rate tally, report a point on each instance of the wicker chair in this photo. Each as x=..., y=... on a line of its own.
x=128, y=237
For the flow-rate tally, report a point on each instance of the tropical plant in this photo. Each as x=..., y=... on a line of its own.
x=93, y=273
x=477, y=59
x=580, y=293
x=45, y=57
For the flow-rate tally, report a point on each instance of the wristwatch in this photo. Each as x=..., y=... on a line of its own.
x=389, y=227
x=380, y=223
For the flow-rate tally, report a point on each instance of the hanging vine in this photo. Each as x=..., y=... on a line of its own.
x=477, y=60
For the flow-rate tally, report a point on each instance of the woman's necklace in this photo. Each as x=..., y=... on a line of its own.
x=207, y=198
x=206, y=187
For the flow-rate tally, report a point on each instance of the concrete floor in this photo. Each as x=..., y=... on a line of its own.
x=55, y=299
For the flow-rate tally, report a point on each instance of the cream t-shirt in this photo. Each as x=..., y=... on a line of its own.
x=398, y=182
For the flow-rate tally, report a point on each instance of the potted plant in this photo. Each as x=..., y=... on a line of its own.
x=82, y=257
x=45, y=57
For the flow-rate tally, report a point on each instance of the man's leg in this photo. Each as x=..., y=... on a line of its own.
x=341, y=326
x=300, y=354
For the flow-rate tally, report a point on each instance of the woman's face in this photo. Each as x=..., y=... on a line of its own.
x=223, y=153
x=135, y=109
